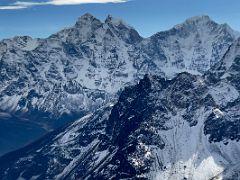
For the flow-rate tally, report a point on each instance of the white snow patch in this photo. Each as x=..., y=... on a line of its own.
x=218, y=113
x=101, y=155
x=31, y=45
x=187, y=152
x=224, y=93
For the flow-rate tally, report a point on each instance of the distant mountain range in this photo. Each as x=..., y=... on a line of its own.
x=179, y=122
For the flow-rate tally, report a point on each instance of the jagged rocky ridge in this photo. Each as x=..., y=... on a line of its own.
x=49, y=82
x=184, y=128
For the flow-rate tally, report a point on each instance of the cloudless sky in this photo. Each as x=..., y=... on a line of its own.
x=147, y=16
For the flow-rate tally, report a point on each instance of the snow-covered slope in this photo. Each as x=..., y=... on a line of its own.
x=159, y=129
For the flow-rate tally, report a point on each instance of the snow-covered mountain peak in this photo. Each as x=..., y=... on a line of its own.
x=194, y=45
x=195, y=21
x=205, y=25
x=116, y=21
x=202, y=25
x=88, y=28
x=198, y=19
x=84, y=29
x=123, y=30
x=86, y=18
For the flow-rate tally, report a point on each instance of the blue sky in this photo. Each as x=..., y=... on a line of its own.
x=147, y=16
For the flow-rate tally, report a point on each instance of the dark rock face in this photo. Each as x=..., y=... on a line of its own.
x=222, y=129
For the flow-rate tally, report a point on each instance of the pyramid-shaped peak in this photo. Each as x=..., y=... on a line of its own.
x=198, y=22
x=87, y=16
x=86, y=19
x=203, y=21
